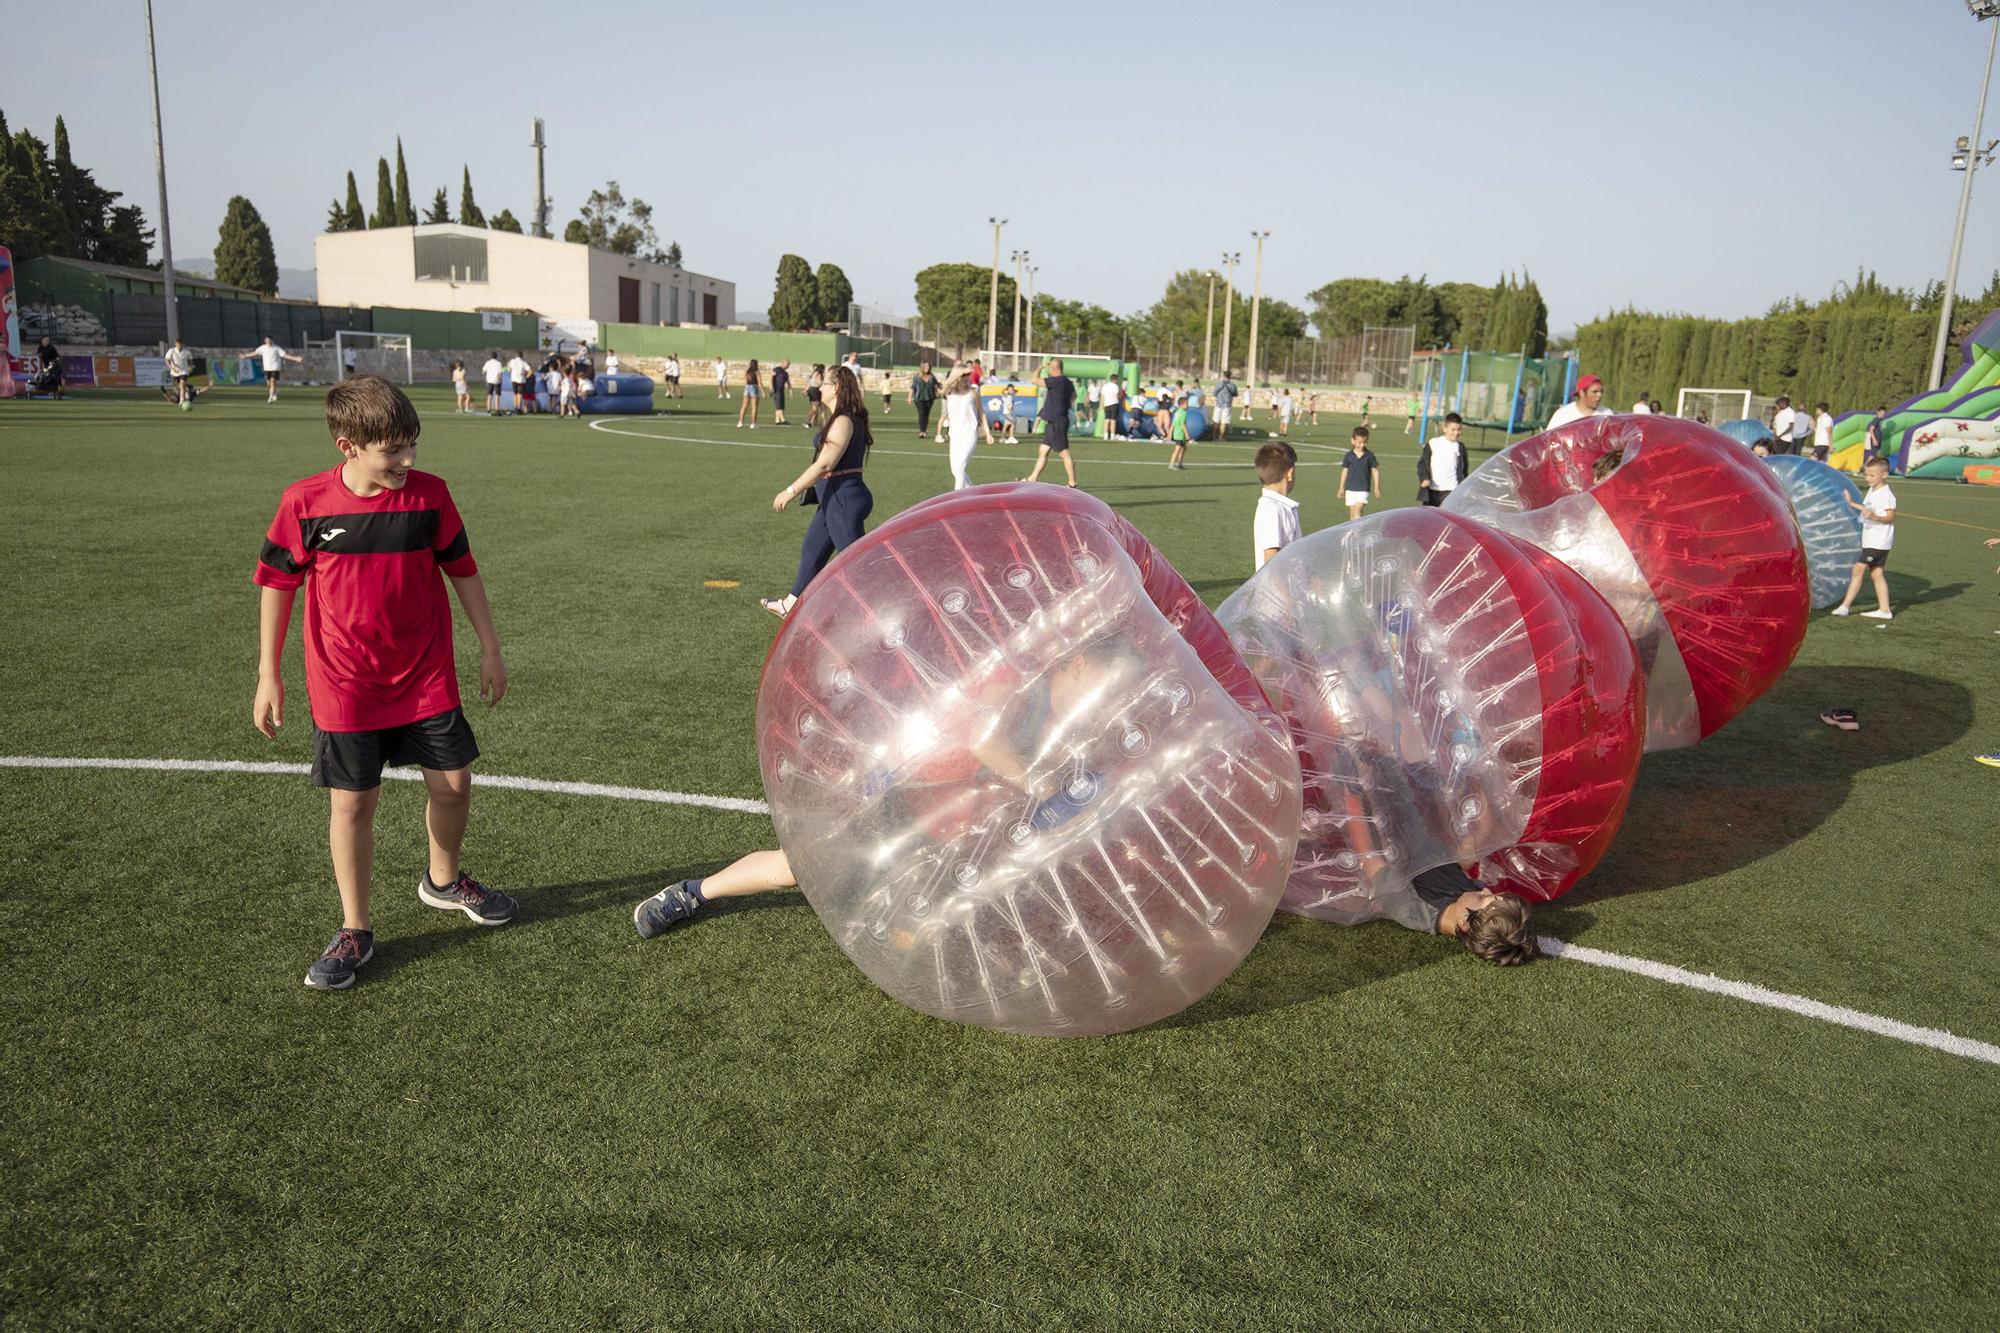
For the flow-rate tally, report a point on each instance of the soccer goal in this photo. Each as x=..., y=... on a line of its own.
x=384, y=354
x=1715, y=405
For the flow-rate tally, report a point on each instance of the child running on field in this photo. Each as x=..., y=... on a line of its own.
x=376, y=540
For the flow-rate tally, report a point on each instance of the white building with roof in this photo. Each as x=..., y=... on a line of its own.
x=446, y=266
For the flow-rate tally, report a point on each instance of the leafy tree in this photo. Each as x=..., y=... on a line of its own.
x=505, y=220
x=127, y=238
x=623, y=226
x=952, y=300
x=576, y=233
x=406, y=216
x=243, y=253
x=794, y=296
x=385, y=196
x=30, y=220
x=468, y=211
x=836, y=294
x=674, y=253
x=440, y=209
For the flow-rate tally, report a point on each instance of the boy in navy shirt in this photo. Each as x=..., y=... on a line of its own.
x=1361, y=476
x=368, y=540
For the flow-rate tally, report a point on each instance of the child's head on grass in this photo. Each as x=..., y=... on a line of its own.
x=1358, y=437
x=1499, y=931
x=375, y=427
x=1454, y=425
x=1877, y=471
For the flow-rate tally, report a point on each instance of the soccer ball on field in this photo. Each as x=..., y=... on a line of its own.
x=187, y=405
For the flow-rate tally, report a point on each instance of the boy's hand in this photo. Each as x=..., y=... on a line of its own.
x=492, y=678
x=1992, y=542
x=267, y=712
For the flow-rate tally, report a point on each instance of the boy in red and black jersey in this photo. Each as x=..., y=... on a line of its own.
x=367, y=541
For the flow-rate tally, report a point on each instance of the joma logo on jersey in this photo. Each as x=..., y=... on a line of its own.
x=331, y=533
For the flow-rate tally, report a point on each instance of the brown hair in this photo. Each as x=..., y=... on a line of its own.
x=1500, y=932
x=1273, y=462
x=843, y=387
x=367, y=409
x=1606, y=464
x=1359, y=433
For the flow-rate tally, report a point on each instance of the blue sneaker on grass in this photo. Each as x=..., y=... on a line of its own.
x=466, y=894
x=676, y=902
x=335, y=969
x=1990, y=760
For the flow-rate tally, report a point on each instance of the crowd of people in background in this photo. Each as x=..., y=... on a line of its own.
x=556, y=386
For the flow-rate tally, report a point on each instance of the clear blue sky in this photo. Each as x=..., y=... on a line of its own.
x=1702, y=156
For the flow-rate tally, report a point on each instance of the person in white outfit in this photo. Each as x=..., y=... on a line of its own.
x=274, y=358
x=964, y=422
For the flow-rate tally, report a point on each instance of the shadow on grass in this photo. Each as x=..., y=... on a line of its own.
x=552, y=902
x=1912, y=590
x=1765, y=781
x=1299, y=960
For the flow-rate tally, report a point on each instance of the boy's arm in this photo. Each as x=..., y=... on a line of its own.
x=1424, y=467
x=471, y=590
x=274, y=618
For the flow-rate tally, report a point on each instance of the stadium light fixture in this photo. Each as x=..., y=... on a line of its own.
x=1968, y=159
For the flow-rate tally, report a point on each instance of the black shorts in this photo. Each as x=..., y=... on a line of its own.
x=778, y=400
x=1055, y=436
x=354, y=760
x=1873, y=558
x=274, y=375
x=1432, y=496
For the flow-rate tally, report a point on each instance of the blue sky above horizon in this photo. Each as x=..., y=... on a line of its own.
x=1705, y=157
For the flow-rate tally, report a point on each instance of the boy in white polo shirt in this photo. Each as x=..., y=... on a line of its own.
x=1441, y=463
x=493, y=370
x=274, y=358
x=1277, y=523
x=1878, y=534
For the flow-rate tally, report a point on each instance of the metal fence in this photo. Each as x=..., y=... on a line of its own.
x=132, y=319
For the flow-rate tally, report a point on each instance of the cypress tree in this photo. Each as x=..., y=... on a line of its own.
x=468, y=211
x=354, y=218
x=243, y=252
x=405, y=215
x=385, y=197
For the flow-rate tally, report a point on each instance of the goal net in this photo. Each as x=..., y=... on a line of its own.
x=384, y=354
x=1713, y=405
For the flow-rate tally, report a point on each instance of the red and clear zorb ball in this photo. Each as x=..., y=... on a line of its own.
x=1020, y=773
x=1689, y=537
x=1454, y=695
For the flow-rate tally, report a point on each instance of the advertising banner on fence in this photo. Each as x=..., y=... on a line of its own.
x=79, y=372
x=496, y=321
x=113, y=372
x=149, y=372
x=10, y=342
x=566, y=335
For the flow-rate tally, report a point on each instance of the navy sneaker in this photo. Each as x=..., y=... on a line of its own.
x=674, y=903
x=335, y=968
x=486, y=906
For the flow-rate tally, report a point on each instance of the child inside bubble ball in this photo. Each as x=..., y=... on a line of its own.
x=952, y=788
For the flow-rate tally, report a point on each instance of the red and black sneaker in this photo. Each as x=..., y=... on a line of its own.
x=488, y=907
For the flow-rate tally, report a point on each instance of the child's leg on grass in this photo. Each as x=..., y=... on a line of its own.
x=758, y=872
x=1854, y=585
x=351, y=837
x=445, y=815
x=1881, y=590
x=1041, y=461
x=1069, y=467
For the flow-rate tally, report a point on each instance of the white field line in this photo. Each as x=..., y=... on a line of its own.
x=399, y=774
x=1771, y=999
x=795, y=442
x=1749, y=993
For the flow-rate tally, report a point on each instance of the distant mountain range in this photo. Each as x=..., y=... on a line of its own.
x=294, y=284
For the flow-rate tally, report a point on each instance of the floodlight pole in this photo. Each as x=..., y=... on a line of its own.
x=993, y=292
x=1019, y=257
x=1256, y=298
x=1208, y=333
x=1032, y=270
x=1230, y=261
x=160, y=161
x=1981, y=12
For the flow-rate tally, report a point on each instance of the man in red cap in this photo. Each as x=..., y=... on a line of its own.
x=1589, y=402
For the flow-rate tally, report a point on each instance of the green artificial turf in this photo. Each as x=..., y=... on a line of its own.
x=560, y=1125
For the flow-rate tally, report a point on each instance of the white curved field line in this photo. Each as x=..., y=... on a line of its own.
x=1749, y=993
x=600, y=423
